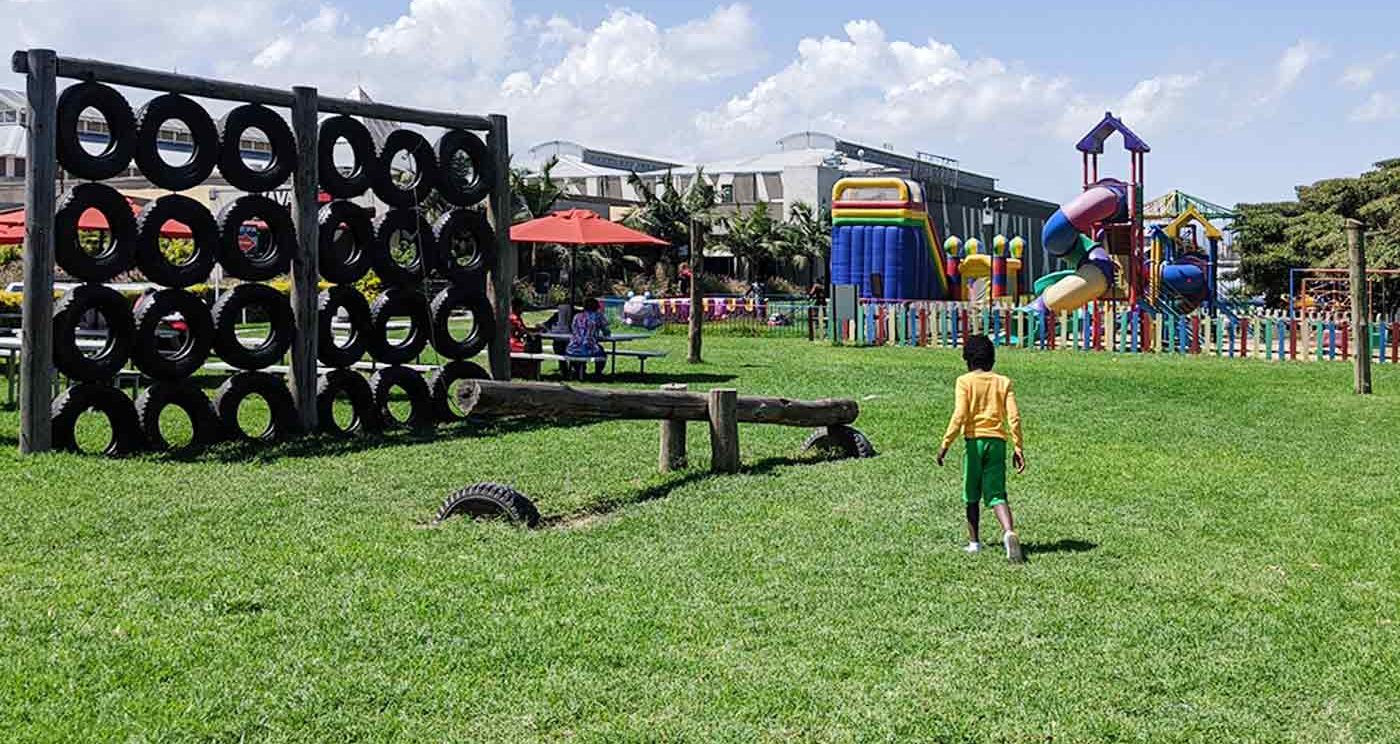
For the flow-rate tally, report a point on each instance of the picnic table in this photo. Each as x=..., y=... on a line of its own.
x=612, y=340
x=13, y=347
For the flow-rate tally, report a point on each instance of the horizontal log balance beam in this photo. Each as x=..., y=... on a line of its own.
x=540, y=400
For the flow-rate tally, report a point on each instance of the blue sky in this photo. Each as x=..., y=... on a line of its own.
x=1240, y=100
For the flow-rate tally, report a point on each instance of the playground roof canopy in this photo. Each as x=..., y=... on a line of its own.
x=1174, y=203
x=1093, y=141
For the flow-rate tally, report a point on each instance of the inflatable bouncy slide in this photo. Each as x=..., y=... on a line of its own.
x=883, y=241
x=1099, y=233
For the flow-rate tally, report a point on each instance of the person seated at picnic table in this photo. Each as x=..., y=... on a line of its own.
x=523, y=338
x=587, y=327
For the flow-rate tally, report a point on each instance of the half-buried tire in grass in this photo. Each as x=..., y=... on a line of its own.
x=839, y=443
x=490, y=501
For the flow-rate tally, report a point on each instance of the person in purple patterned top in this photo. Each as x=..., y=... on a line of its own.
x=587, y=327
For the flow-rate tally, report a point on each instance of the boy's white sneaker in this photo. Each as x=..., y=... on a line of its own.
x=975, y=547
x=1013, y=548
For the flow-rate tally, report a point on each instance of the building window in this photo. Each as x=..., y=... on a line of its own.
x=726, y=193
x=19, y=166
x=9, y=117
x=773, y=184
x=746, y=188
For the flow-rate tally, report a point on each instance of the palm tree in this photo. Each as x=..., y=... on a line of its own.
x=667, y=213
x=534, y=194
x=805, y=239
x=752, y=237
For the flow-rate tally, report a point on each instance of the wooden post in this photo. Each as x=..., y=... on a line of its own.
x=503, y=275
x=1360, y=312
x=305, y=273
x=724, y=430
x=697, y=300
x=36, y=334
x=673, y=438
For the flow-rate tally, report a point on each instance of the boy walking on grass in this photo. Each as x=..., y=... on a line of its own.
x=984, y=409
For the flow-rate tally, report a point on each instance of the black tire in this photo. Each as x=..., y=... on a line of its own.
x=282, y=158
x=490, y=501
x=328, y=304
x=204, y=137
x=442, y=379
x=199, y=335
x=282, y=425
x=204, y=422
x=424, y=163
x=347, y=260
x=420, y=399
x=105, y=399
x=474, y=300
x=121, y=236
x=281, y=327
x=453, y=189
x=121, y=131
x=470, y=224
x=841, y=441
x=405, y=302
x=354, y=386
x=392, y=272
x=267, y=263
x=340, y=185
x=190, y=213
x=67, y=315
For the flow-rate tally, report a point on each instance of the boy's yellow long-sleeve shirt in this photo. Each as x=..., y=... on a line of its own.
x=984, y=405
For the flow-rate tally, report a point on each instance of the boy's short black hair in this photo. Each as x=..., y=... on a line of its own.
x=979, y=353
x=590, y=305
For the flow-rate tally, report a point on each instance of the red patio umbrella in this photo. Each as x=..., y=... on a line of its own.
x=90, y=220
x=11, y=235
x=576, y=227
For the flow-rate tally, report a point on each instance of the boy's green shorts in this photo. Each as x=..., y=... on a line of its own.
x=984, y=471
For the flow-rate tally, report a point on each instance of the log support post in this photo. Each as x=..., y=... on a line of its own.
x=1360, y=309
x=724, y=431
x=672, y=456
x=36, y=372
x=305, y=273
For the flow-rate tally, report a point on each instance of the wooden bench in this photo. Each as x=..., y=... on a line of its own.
x=641, y=355
x=282, y=369
x=576, y=364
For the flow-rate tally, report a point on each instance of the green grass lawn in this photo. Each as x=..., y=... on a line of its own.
x=1213, y=557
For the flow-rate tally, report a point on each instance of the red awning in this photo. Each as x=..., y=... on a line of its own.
x=579, y=227
x=91, y=220
x=11, y=235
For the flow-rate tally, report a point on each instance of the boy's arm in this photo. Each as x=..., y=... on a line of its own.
x=960, y=413
x=1013, y=418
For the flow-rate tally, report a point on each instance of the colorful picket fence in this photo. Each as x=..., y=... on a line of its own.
x=1108, y=327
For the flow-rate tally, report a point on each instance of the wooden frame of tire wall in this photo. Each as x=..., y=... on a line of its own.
x=43, y=68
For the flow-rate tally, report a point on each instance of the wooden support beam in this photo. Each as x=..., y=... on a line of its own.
x=1360, y=309
x=305, y=273
x=36, y=364
x=190, y=85
x=724, y=430
x=542, y=400
x=673, y=456
x=503, y=273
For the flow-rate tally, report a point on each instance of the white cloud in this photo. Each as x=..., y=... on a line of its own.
x=1378, y=107
x=1362, y=74
x=866, y=85
x=447, y=34
x=1295, y=61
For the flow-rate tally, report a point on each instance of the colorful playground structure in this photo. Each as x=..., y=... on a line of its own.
x=1099, y=233
x=883, y=241
x=977, y=275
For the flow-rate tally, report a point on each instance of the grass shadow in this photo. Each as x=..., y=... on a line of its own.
x=328, y=446
x=661, y=491
x=1059, y=546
